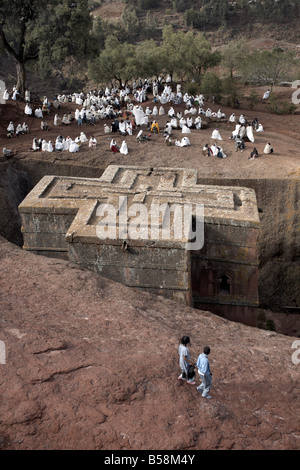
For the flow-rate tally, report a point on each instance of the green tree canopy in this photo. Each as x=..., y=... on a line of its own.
x=44, y=31
x=267, y=67
x=187, y=55
x=115, y=62
x=234, y=54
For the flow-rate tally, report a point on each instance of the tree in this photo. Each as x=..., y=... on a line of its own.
x=115, y=62
x=186, y=54
x=234, y=54
x=43, y=31
x=267, y=67
x=201, y=57
x=211, y=85
x=148, y=60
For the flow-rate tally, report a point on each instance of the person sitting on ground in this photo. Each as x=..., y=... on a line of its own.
x=92, y=142
x=206, y=151
x=57, y=120
x=168, y=141
x=44, y=126
x=240, y=144
x=25, y=128
x=268, y=148
x=254, y=154
x=59, y=143
x=10, y=129
x=65, y=120
x=19, y=130
x=36, y=145
x=141, y=137
x=155, y=127
x=113, y=146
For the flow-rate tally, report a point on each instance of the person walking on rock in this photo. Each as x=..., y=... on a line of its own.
x=185, y=362
x=204, y=373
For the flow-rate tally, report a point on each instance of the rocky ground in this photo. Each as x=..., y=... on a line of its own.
x=91, y=364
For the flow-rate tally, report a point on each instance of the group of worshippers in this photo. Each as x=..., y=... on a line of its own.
x=61, y=143
x=245, y=129
x=20, y=129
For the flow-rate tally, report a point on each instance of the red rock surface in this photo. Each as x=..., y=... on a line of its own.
x=91, y=364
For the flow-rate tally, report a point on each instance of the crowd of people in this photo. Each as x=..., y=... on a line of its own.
x=122, y=109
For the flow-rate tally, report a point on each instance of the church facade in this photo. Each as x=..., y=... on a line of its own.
x=153, y=229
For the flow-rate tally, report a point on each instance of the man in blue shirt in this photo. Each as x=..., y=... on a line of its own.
x=204, y=373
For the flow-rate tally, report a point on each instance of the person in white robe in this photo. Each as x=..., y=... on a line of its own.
x=155, y=111
x=220, y=115
x=27, y=96
x=198, y=122
x=50, y=146
x=74, y=147
x=124, y=148
x=161, y=111
x=83, y=137
x=138, y=115
x=148, y=111
x=268, y=148
x=15, y=95
x=59, y=144
x=28, y=110
x=128, y=126
x=249, y=133
x=208, y=112
x=242, y=132
x=171, y=112
x=25, y=128
x=168, y=129
x=215, y=149
x=35, y=145
x=174, y=123
x=38, y=113
x=182, y=122
x=185, y=129
x=185, y=142
x=5, y=95
x=107, y=129
x=77, y=114
x=189, y=122
x=57, y=120
x=216, y=135
x=200, y=99
x=122, y=127
x=11, y=128
x=93, y=142
x=65, y=120
x=44, y=146
x=19, y=130
x=232, y=118
x=235, y=133
x=66, y=143
x=266, y=95
x=260, y=128
x=242, y=119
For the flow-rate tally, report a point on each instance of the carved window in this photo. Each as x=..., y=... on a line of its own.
x=225, y=284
